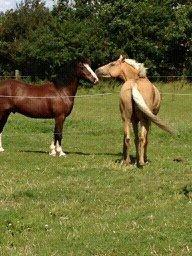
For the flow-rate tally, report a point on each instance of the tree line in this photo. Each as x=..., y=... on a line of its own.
x=37, y=40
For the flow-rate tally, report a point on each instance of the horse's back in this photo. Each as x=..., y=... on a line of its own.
x=15, y=87
x=5, y=85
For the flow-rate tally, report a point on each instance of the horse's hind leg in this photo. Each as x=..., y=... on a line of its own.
x=136, y=140
x=143, y=141
x=126, y=143
x=146, y=141
x=3, y=120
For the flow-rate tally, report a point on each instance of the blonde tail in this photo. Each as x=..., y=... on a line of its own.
x=138, y=99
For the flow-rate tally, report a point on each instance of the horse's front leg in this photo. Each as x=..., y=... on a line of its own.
x=52, y=149
x=55, y=147
x=3, y=119
x=1, y=148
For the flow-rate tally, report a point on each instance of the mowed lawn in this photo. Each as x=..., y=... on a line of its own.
x=87, y=203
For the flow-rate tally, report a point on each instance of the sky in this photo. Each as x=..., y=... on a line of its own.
x=11, y=4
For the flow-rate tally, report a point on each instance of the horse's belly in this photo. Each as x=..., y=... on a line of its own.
x=35, y=114
x=35, y=110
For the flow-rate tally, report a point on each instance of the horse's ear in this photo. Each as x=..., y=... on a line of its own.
x=121, y=58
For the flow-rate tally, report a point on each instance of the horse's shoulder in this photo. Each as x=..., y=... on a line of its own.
x=128, y=84
x=125, y=92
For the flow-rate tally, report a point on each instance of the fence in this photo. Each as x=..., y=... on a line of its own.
x=172, y=78
x=95, y=119
x=101, y=110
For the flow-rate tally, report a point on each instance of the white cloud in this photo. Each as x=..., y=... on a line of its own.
x=11, y=4
x=7, y=4
x=49, y=3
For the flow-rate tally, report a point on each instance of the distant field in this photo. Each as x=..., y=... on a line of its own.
x=86, y=203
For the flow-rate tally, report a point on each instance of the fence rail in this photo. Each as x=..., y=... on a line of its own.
x=7, y=76
x=87, y=95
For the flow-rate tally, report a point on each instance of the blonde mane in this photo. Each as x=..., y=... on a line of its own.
x=139, y=66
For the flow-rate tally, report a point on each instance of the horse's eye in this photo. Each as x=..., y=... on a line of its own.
x=112, y=64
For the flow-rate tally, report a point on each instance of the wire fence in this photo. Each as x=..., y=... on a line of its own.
x=107, y=104
x=97, y=115
x=158, y=78
x=94, y=120
x=84, y=95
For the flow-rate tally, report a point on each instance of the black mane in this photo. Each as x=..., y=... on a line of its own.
x=64, y=74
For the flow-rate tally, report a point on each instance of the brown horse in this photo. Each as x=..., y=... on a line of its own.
x=51, y=100
x=139, y=103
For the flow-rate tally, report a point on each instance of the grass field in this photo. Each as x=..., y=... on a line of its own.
x=86, y=203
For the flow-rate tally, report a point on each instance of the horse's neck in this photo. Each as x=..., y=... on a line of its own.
x=129, y=72
x=71, y=88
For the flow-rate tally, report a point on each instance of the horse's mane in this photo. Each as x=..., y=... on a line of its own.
x=63, y=74
x=67, y=71
x=139, y=66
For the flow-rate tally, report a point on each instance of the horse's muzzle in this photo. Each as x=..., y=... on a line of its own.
x=99, y=72
x=96, y=80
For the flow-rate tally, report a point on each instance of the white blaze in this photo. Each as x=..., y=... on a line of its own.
x=91, y=71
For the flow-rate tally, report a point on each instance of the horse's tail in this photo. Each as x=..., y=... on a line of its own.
x=138, y=99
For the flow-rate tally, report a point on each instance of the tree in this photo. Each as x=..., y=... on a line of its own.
x=16, y=27
x=37, y=40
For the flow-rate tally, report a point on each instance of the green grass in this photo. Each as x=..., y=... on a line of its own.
x=86, y=203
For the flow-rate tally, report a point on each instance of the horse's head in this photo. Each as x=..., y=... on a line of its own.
x=122, y=68
x=84, y=71
x=112, y=69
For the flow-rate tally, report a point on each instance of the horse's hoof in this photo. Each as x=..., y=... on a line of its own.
x=125, y=163
x=62, y=154
x=53, y=153
x=1, y=150
x=141, y=165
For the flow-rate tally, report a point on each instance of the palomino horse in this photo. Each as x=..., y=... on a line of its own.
x=139, y=102
x=51, y=100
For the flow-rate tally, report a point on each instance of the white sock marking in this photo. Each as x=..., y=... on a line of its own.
x=52, y=148
x=1, y=148
x=59, y=150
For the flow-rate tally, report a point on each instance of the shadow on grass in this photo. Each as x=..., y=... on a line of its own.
x=132, y=158
x=34, y=151
x=118, y=161
x=73, y=153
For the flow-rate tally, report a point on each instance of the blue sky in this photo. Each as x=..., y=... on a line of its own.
x=11, y=4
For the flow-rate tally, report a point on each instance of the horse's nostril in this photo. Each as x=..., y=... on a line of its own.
x=96, y=80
